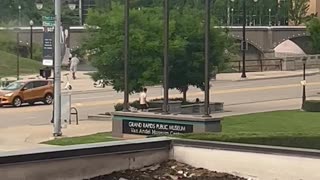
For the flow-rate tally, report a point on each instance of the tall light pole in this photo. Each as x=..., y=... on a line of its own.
x=304, y=97
x=207, y=58
x=228, y=11
x=18, y=54
x=232, y=16
x=57, y=64
x=19, y=18
x=255, y=12
x=18, y=43
x=80, y=13
x=126, y=55
x=165, y=55
x=269, y=17
x=244, y=42
x=31, y=39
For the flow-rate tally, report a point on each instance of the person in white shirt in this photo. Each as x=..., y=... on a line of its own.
x=143, y=100
x=73, y=66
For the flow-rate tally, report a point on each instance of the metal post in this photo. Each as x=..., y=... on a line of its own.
x=57, y=71
x=80, y=13
x=126, y=55
x=18, y=56
x=207, y=57
x=304, y=86
x=244, y=45
x=270, y=17
x=228, y=13
x=165, y=56
x=19, y=18
x=31, y=41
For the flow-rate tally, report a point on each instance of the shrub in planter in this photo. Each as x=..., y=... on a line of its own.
x=312, y=106
x=119, y=106
x=136, y=104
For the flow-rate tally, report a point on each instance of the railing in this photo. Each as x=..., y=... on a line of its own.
x=258, y=65
x=75, y=112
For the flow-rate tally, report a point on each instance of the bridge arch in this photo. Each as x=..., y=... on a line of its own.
x=303, y=41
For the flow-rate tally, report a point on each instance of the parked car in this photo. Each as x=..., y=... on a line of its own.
x=27, y=91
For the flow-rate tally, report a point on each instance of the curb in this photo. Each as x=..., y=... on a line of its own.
x=280, y=77
x=99, y=118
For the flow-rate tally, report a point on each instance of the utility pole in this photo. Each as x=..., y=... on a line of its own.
x=244, y=41
x=207, y=57
x=165, y=56
x=57, y=71
x=126, y=55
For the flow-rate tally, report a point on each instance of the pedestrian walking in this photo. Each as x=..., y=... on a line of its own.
x=73, y=65
x=143, y=100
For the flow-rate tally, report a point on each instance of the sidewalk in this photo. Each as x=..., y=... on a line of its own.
x=84, y=83
x=265, y=75
x=29, y=137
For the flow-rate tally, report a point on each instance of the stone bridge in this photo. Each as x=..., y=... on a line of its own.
x=262, y=40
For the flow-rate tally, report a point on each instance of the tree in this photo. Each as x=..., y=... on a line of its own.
x=186, y=49
x=298, y=11
x=313, y=27
x=145, y=47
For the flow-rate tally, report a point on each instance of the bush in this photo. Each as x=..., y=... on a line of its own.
x=136, y=104
x=312, y=106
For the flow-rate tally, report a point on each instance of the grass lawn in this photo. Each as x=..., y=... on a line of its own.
x=281, y=128
x=95, y=138
x=8, y=65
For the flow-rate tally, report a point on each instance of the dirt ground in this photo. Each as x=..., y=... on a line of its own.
x=169, y=170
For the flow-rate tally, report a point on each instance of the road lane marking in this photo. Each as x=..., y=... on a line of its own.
x=196, y=94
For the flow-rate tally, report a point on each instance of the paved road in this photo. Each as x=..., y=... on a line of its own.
x=231, y=93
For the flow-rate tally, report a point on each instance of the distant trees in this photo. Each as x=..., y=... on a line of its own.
x=313, y=27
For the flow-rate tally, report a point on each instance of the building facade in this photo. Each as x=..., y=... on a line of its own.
x=314, y=7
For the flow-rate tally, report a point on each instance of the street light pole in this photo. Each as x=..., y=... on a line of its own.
x=126, y=55
x=269, y=17
x=165, y=54
x=18, y=55
x=304, y=61
x=31, y=39
x=57, y=71
x=207, y=57
x=80, y=13
x=19, y=18
x=244, y=43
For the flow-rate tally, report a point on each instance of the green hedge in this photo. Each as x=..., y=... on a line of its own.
x=312, y=106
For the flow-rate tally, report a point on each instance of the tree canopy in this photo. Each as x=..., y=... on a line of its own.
x=186, y=49
x=313, y=27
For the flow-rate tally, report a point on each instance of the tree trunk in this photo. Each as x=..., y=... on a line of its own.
x=184, y=91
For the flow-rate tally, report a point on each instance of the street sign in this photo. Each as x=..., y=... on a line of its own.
x=48, y=18
x=48, y=21
x=48, y=46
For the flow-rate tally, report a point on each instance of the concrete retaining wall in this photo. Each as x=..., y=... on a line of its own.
x=87, y=161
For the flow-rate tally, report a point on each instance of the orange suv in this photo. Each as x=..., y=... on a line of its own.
x=28, y=91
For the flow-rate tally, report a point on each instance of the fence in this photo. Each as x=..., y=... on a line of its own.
x=253, y=65
x=284, y=63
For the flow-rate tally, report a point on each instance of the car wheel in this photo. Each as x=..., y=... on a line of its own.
x=17, y=102
x=48, y=99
